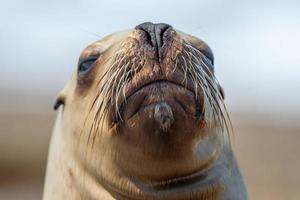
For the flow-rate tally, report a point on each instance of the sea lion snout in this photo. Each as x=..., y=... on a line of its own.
x=155, y=36
x=156, y=33
x=157, y=89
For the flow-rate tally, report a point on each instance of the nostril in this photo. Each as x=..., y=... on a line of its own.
x=154, y=33
x=160, y=30
x=148, y=32
x=149, y=38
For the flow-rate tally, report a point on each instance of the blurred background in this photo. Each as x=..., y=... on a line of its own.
x=256, y=46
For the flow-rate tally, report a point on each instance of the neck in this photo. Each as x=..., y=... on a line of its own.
x=68, y=177
x=220, y=181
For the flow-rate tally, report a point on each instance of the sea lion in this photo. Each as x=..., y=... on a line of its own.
x=143, y=118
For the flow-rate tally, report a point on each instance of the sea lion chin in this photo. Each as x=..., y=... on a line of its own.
x=159, y=119
x=143, y=118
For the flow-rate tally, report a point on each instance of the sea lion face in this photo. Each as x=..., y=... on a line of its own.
x=144, y=104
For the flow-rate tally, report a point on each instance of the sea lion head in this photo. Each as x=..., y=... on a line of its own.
x=144, y=113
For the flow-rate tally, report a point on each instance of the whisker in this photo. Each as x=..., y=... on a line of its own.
x=209, y=84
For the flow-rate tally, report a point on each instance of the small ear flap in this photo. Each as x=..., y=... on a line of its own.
x=63, y=95
x=60, y=100
x=221, y=91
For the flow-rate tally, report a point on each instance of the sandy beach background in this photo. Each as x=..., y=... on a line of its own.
x=256, y=46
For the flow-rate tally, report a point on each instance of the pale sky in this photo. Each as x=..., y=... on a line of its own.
x=256, y=43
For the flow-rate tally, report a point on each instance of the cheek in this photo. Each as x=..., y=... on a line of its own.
x=83, y=85
x=74, y=114
x=87, y=81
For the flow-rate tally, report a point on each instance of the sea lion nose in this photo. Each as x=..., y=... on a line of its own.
x=155, y=33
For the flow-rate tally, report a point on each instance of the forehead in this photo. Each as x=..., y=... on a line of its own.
x=105, y=43
x=116, y=38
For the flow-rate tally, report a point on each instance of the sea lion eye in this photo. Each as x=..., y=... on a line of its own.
x=86, y=65
x=210, y=60
x=208, y=57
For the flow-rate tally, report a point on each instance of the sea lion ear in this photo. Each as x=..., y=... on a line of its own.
x=221, y=91
x=62, y=96
x=60, y=100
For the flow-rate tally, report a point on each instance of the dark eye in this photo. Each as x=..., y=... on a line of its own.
x=210, y=60
x=86, y=65
x=208, y=57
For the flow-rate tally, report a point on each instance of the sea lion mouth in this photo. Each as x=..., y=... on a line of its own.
x=160, y=94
